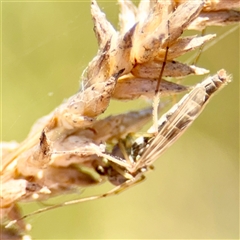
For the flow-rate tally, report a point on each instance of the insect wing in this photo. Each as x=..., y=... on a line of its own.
x=174, y=123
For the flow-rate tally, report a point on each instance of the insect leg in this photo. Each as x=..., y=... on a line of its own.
x=114, y=191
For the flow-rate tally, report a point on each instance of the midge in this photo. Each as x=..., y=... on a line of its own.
x=127, y=164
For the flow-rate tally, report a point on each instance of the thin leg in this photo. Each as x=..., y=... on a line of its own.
x=112, y=192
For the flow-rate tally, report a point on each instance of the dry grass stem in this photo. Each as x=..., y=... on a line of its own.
x=52, y=159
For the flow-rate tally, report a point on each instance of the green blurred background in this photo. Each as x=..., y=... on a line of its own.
x=193, y=191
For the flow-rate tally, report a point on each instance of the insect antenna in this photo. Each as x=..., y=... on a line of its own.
x=156, y=98
x=194, y=58
x=200, y=49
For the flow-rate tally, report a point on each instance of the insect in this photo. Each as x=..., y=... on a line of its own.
x=129, y=167
x=127, y=161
